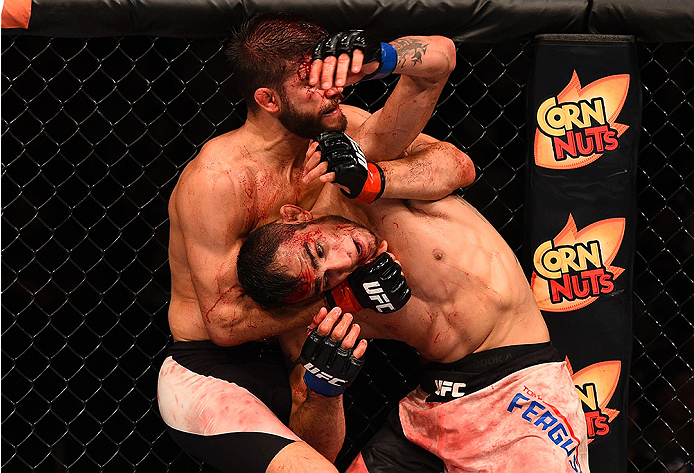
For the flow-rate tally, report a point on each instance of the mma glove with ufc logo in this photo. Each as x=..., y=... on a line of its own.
x=329, y=367
x=378, y=285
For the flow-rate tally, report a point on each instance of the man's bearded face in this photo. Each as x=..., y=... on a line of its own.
x=309, y=125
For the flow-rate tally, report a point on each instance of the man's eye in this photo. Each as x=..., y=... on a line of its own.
x=319, y=250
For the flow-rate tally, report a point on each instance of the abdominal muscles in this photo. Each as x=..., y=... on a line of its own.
x=468, y=290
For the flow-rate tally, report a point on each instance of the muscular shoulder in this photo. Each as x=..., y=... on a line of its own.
x=223, y=165
x=215, y=190
x=440, y=209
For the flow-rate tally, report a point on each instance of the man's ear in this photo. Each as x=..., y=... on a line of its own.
x=267, y=99
x=293, y=214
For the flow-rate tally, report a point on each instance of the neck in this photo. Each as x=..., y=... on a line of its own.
x=332, y=202
x=274, y=139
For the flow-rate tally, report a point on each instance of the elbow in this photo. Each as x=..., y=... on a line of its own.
x=225, y=336
x=454, y=169
x=463, y=169
x=466, y=169
x=447, y=54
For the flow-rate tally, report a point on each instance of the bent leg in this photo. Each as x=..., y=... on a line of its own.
x=389, y=451
x=219, y=422
x=299, y=457
x=229, y=452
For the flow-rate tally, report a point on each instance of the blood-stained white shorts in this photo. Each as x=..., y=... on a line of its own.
x=530, y=420
x=227, y=406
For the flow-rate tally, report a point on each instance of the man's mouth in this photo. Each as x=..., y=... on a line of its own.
x=334, y=105
x=357, y=245
x=362, y=251
x=332, y=111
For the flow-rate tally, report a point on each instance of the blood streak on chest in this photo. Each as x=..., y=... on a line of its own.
x=271, y=194
x=300, y=189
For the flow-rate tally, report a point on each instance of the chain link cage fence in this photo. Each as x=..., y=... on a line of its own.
x=94, y=135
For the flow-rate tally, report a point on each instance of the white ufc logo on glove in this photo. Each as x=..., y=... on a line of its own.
x=318, y=373
x=373, y=289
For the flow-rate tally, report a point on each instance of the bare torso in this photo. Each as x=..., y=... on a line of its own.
x=240, y=180
x=255, y=184
x=468, y=291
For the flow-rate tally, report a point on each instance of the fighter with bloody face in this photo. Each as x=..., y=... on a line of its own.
x=291, y=74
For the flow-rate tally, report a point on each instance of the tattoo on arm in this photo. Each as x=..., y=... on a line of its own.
x=410, y=50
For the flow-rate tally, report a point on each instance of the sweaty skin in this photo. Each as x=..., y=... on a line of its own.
x=240, y=179
x=469, y=292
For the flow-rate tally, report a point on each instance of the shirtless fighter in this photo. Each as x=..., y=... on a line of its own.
x=494, y=395
x=224, y=391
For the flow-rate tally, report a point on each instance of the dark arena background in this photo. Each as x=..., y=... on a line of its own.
x=104, y=103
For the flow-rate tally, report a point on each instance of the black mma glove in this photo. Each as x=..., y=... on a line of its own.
x=345, y=158
x=378, y=285
x=329, y=367
x=348, y=41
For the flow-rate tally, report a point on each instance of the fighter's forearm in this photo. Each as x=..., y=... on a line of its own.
x=424, y=63
x=233, y=322
x=430, y=171
x=431, y=57
x=320, y=422
x=317, y=412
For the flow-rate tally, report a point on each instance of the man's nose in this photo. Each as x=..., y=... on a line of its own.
x=333, y=91
x=341, y=265
x=343, y=262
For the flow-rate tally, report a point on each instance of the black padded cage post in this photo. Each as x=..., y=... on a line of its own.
x=103, y=104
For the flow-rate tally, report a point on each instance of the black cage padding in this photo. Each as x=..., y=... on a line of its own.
x=95, y=131
x=462, y=20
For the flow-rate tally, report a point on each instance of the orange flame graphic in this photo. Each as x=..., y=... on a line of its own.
x=605, y=377
x=613, y=92
x=609, y=233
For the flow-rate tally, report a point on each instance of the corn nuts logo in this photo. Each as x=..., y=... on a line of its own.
x=596, y=384
x=575, y=268
x=577, y=126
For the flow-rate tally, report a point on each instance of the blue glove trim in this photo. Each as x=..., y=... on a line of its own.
x=322, y=387
x=389, y=59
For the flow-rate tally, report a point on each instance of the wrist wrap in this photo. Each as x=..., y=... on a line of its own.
x=374, y=186
x=322, y=387
x=389, y=59
x=343, y=297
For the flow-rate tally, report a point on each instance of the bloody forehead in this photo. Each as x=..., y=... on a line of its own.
x=304, y=68
x=298, y=295
x=306, y=276
x=301, y=238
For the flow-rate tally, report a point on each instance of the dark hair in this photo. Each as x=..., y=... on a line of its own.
x=264, y=47
x=261, y=277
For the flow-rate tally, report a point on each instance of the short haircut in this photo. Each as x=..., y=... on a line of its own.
x=262, y=278
x=263, y=49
